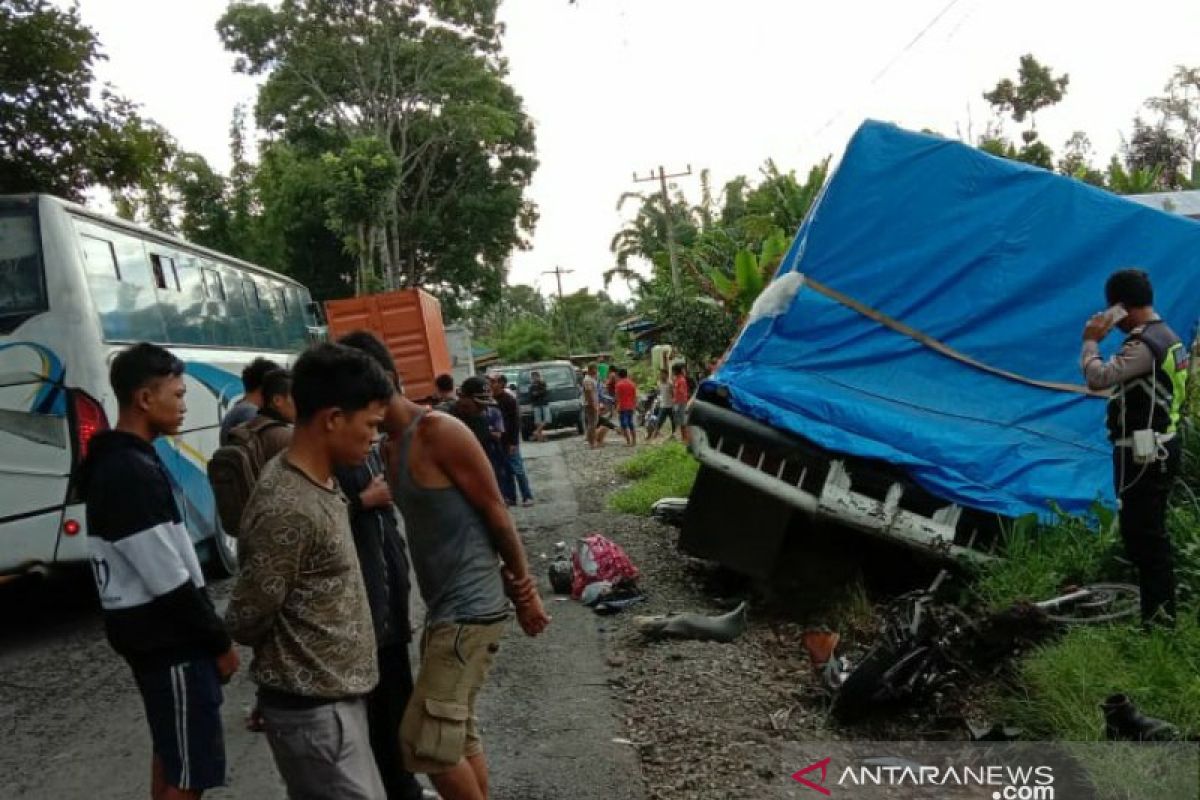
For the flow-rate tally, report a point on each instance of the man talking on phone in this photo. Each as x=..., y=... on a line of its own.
x=1148, y=379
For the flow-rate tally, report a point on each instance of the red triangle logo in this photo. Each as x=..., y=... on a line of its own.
x=822, y=765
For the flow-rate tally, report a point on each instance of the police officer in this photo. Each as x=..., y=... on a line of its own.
x=1148, y=379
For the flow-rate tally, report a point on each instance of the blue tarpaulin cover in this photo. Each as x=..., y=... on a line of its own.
x=998, y=260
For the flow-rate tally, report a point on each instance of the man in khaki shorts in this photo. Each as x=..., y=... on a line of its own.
x=440, y=728
x=591, y=403
x=459, y=534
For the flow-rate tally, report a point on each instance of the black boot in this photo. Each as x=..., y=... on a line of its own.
x=1123, y=721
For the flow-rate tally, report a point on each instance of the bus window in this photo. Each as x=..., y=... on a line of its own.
x=185, y=323
x=296, y=326
x=271, y=316
x=124, y=299
x=22, y=284
x=214, y=306
x=133, y=266
x=253, y=301
x=163, y=268
x=214, y=287
x=241, y=314
x=98, y=257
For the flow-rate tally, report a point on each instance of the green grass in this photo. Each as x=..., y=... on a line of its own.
x=1038, y=560
x=1063, y=684
x=1060, y=685
x=664, y=471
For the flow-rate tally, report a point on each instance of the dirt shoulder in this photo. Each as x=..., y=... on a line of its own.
x=707, y=720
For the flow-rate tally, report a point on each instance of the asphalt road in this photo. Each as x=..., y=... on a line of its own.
x=72, y=725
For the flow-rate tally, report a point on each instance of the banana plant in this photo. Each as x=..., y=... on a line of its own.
x=751, y=273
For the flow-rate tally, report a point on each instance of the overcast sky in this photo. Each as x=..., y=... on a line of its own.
x=622, y=85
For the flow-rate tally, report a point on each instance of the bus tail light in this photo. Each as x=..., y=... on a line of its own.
x=89, y=419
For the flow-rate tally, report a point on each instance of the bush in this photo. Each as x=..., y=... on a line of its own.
x=664, y=471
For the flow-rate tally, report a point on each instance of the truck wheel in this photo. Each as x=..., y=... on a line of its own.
x=222, y=561
x=579, y=426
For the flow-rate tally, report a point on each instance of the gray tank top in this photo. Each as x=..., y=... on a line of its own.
x=457, y=566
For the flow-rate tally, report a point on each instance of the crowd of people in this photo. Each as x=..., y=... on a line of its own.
x=617, y=395
x=350, y=486
x=342, y=461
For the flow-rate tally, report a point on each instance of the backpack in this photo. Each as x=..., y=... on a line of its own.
x=596, y=558
x=233, y=470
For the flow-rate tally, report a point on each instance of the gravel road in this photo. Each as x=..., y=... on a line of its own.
x=588, y=710
x=72, y=725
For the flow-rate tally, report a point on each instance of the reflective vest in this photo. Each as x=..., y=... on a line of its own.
x=1153, y=400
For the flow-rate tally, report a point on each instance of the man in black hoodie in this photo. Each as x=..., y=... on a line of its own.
x=383, y=557
x=156, y=612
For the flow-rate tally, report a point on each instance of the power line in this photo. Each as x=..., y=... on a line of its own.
x=946, y=9
x=913, y=43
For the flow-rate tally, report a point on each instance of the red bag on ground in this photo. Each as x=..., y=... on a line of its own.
x=596, y=558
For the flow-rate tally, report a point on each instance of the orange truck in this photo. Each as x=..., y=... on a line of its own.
x=409, y=322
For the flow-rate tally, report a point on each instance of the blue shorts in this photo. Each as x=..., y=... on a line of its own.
x=183, y=707
x=541, y=415
x=627, y=420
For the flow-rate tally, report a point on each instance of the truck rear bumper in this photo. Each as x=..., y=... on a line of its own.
x=823, y=487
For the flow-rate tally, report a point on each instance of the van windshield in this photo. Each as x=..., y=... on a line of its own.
x=558, y=377
x=22, y=285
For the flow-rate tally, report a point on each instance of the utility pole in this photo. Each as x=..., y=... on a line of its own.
x=661, y=177
x=558, y=272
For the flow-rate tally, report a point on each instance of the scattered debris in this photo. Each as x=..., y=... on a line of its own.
x=724, y=628
x=670, y=510
x=820, y=644
x=561, y=574
x=597, y=558
x=997, y=732
x=607, y=598
x=592, y=593
x=780, y=719
x=608, y=607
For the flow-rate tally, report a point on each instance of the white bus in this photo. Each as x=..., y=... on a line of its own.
x=75, y=288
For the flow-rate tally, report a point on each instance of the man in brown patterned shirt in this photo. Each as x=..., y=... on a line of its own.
x=299, y=601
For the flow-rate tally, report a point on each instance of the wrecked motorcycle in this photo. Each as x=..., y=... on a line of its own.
x=925, y=647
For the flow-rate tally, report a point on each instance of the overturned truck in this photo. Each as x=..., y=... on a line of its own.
x=912, y=371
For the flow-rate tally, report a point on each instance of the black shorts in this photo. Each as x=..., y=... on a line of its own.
x=183, y=707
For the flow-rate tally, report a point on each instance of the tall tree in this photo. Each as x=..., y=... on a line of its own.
x=489, y=320
x=1077, y=160
x=241, y=180
x=426, y=79
x=529, y=340
x=59, y=131
x=1159, y=149
x=591, y=319
x=1036, y=88
x=293, y=189
x=204, y=208
x=1180, y=105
